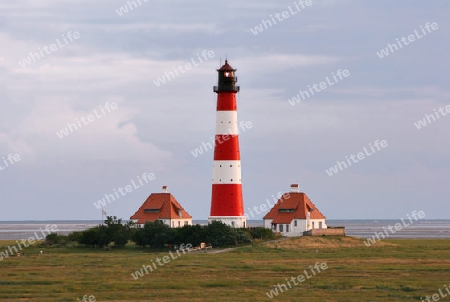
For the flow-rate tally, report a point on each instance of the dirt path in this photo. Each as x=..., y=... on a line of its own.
x=221, y=251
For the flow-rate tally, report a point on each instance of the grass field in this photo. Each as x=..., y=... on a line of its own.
x=391, y=270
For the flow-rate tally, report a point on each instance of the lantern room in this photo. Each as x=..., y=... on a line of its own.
x=227, y=79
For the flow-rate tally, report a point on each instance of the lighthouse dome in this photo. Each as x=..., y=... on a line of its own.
x=226, y=67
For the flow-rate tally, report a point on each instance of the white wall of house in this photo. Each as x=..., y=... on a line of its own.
x=268, y=223
x=179, y=223
x=173, y=223
x=232, y=221
x=296, y=227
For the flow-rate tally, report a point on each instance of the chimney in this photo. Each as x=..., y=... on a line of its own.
x=295, y=188
x=164, y=189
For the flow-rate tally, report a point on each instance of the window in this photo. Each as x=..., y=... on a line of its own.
x=313, y=224
x=186, y=223
x=274, y=227
x=281, y=228
x=285, y=210
x=287, y=227
x=295, y=222
x=320, y=224
x=179, y=223
x=151, y=210
x=232, y=223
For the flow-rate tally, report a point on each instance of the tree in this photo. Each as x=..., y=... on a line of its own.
x=96, y=236
x=220, y=234
x=118, y=232
x=261, y=233
x=112, y=231
x=155, y=234
x=193, y=234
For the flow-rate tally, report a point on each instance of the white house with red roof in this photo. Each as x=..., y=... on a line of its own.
x=162, y=206
x=293, y=214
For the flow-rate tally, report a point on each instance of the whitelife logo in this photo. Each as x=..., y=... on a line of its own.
x=436, y=297
x=124, y=9
x=263, y=208
x=391, y=48
x=265, y=24
x=301, y=278
x=168, y=75
x=49, y=49
x=397, y=226
x=341, y=74
x=12, y=159
x=140, y=273
x=146, y=177
x=85, y=298
x=430, y=118
x=205, y=147
x=360, y=156
x=86, y=120
x=32, y=240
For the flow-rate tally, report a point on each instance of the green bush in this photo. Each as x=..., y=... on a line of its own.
x=159, y=235
x=154, y=234
x=112, y=231
x=261, y=233
x=54, y=238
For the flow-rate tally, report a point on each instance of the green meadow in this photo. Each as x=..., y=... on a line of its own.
x=390, y=270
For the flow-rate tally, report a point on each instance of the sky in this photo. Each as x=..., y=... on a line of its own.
x=103, y=59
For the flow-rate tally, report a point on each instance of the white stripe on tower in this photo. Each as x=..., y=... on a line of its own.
x=227, y=172
x=226, y=123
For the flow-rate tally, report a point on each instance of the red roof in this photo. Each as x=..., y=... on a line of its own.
x=294, y=207
x=226, y=67
x=160, y=206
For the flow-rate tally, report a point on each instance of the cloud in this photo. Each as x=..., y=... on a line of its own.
x=111, y=137
x=16, y=146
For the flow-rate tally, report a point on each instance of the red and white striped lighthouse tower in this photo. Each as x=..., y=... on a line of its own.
x=226, y=201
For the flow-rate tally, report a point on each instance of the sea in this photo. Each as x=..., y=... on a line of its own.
x=16, y=230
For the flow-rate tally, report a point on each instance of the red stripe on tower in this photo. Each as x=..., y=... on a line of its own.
x=226, y=202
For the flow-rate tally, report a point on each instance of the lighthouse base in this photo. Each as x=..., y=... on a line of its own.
x=232, y=221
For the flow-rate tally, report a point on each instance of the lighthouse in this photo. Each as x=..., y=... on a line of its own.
x=227, y=204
